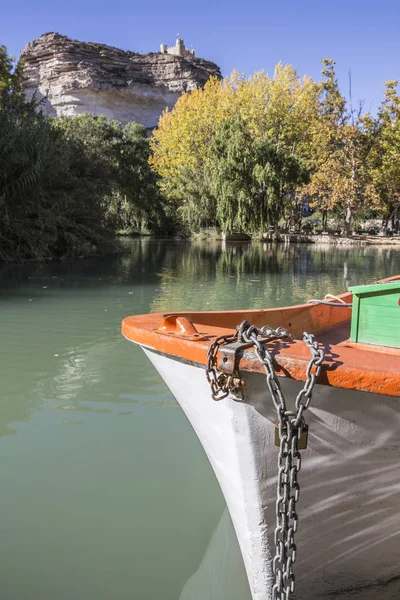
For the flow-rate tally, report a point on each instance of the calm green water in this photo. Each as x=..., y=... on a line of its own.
x=105, y=490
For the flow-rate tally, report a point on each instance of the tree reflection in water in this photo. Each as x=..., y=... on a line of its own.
x=101, y=438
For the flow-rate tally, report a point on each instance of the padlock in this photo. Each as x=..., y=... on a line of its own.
x=303, y=438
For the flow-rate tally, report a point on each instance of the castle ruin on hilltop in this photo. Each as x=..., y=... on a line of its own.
x=178, y=50
x=70, y=77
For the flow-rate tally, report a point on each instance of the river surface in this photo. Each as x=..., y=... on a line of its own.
x=105, y=492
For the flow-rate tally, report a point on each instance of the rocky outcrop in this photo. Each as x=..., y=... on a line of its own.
x=72, y=77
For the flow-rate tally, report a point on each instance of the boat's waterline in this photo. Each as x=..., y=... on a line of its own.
x=348, y=537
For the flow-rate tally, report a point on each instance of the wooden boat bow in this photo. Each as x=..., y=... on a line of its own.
x=187, y=336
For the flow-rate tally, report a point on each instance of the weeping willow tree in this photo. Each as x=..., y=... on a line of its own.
x=250, y=178
x=275, y=118
x=246, y=182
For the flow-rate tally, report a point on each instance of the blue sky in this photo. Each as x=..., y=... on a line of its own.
x=362, y=36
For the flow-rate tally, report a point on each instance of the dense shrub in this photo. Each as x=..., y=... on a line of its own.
x=68, y=185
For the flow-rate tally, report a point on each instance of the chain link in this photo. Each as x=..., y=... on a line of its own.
x=291, y=425
x=221, y=385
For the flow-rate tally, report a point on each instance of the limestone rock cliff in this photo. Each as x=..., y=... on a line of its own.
x=74, y=77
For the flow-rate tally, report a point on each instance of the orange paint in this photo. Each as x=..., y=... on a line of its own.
x=347, y=365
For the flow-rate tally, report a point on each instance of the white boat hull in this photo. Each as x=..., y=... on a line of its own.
x=349, y=508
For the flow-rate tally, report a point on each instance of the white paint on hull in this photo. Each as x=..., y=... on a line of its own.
x=224, y=429
x=348, y=538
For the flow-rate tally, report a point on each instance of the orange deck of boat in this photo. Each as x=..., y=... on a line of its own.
x=187, y=336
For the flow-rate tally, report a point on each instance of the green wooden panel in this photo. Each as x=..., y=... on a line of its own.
x=372, y=317
x=376, y=314
x=378, y=338
x=375, y=288
x=381, y=300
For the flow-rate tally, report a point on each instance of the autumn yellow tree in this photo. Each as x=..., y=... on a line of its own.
x=344, y=162
x=181, y=141
x=279, y=110
x=341, y=180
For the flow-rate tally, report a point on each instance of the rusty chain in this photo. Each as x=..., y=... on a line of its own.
x=291, y=426
x=221, y=384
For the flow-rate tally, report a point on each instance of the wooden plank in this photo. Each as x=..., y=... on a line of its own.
x=375, y=288
x=390, y=316
x=376, y=314
x=381, y=300
x=379, y=325
x=355, y=319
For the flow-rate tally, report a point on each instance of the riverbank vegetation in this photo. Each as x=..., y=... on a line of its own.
x=247, y=154
x=68, y=185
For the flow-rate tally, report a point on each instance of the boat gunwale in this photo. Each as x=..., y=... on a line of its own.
x=347, y=364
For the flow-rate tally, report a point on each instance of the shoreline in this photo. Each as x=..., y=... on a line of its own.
x=298, y=238
x=274, y=238
x=335, y=240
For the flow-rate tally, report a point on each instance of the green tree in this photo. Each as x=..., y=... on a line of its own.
x=385, y=155
x=50, y=200
x=117, y=159
x=250, y=178
x=279, y=112
x=62, y=180
x=341, y=180
x=141, y=205
x=11, y=91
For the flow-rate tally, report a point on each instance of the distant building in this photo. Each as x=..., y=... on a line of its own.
x=177, y=50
